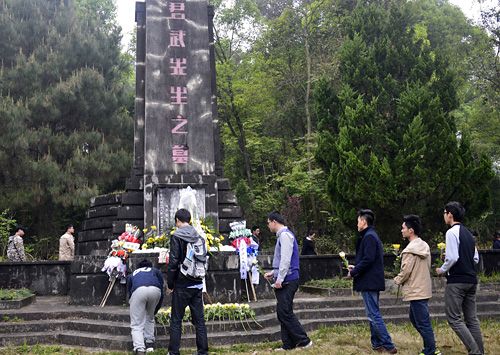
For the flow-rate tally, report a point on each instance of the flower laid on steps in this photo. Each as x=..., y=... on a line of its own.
x=239, y=313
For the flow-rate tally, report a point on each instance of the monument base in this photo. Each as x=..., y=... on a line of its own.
x=88, y=283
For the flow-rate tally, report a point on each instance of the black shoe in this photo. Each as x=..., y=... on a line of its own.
x=140, y=352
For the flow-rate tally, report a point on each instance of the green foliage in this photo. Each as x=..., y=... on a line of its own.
x=494, y=277
x=65, y=110
x=389, y=138
x=14, y=294
x=6, y=226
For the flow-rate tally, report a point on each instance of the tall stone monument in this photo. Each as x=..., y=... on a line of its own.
x=176, y=134
x=176, y=141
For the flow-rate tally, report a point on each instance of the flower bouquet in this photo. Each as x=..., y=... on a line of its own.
x=156, y=243
x=397, y=260
x=247, y=249
x=115, y=265
x=345, y=264
x=440, y=260
x=229, y=312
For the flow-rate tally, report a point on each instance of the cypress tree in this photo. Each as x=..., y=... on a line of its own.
x=387, y=139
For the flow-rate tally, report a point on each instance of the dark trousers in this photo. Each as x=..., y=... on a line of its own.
x=192, y=297
x=460, y=298
x=292, y=332
x=419, y=317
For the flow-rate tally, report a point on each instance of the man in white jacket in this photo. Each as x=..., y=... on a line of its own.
x=415, y=277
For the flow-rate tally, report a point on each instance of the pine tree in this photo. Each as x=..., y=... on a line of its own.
x=67, y=134
x=387, y=139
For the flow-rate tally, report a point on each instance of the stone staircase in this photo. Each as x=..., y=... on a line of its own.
x=52, y=321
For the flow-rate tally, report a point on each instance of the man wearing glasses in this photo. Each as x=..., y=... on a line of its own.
x=286, y=283
x=459, y=267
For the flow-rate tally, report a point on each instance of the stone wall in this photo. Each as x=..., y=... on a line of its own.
x=86, y=284
x=43, y=277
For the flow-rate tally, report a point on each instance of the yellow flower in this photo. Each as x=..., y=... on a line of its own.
x=441, y=246
x=396, y=246
x=217, y=240
x=342, y=254
x=144, y=246
x=221, y=237
x=144, y=230
x=150, y=240
x=153, y=227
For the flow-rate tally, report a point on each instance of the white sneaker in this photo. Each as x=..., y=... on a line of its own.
x=308, y=345
x=150, y=346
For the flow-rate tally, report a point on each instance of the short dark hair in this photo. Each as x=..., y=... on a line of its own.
x=456, y=209
x=183, y=215
x=414, y=222
x=68, y=226
x=254, y=228
x=276, y=216
x=18, y=228
x=145, y=263
x=367, y=215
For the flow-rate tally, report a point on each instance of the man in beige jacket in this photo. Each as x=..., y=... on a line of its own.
x=67, y=244
x=415, y=277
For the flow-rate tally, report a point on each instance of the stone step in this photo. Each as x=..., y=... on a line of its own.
x=32, y=326
x=109, y=199
x=306, y=305
x=96, y=339
x=118, y=324
x=28, y=338
x=269, y=306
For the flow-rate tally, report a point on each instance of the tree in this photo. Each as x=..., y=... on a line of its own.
x=65, y=94
x=388, y=140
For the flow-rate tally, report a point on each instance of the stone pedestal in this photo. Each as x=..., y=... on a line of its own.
x=88, y=283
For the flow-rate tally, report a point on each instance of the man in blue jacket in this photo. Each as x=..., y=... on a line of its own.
x=145, y=288
x=368, y=278
x=285, y=275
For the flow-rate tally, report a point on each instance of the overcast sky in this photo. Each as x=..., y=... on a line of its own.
x=126, y=14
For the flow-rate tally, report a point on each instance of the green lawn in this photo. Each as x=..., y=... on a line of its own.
x=353, y=339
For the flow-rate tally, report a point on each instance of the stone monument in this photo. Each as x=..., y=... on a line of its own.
x=177, y=157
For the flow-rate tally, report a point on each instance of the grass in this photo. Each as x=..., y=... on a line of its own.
x=338, y=340
x=14, y=294
x=330, y=283
x=494, y=277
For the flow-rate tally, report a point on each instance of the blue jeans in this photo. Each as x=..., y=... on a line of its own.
x=380, y=335
x=192, y=297
x=419, y=317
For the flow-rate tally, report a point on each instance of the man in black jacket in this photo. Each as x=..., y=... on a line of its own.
x=185, y=291
x=308, y=245
x=368, y=278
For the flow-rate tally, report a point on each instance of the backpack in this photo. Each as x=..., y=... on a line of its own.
x=194, y=265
